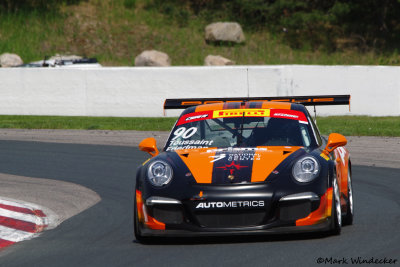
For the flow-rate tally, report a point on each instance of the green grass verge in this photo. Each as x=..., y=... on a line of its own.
x=86, y=123
x=360, y=125
x=346, y=125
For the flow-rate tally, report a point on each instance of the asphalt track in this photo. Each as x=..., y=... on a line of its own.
x=102, y=235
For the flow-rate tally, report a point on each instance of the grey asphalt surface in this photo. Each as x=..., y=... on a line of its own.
x=372, y=151
x=102, y=235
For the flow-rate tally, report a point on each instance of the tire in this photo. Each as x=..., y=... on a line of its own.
x=348, y=218
x=336, y=209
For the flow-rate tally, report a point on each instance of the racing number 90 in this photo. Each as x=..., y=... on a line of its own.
x=182, y=132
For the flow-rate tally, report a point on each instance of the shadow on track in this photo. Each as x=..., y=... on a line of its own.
x=234, y=239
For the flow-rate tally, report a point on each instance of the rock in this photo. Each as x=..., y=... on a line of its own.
x=224, y=32
x=10, y=60
x=212, y=60
x=153, y=58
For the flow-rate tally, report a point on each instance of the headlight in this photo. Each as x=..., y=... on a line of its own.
x=306, y=169
x=159, y=173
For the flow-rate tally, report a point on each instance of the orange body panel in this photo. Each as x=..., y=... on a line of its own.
x=342, y=169
x=139, y=206
x=276, y=105
x=269, y=160
x=198, y=162
x=323, y=212
x=209, y=107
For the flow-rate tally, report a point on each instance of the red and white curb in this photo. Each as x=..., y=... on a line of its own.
x=21, y=221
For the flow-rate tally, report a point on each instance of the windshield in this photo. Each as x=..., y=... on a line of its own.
x=240, y=128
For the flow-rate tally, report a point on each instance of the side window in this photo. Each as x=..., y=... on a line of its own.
x=305, y=135
x=314, y=128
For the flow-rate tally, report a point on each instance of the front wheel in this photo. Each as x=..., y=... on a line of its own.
x=348, y=218
x=336, y=210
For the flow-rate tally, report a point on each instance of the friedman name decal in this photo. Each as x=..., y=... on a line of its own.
x=230, y=204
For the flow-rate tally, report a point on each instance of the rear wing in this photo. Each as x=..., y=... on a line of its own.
x=320, y=100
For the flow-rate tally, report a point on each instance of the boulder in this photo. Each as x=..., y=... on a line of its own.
x=153, y=58
x=212, y=60
x=224, y=32
x=10, y=60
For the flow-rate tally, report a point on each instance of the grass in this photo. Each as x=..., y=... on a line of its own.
x=346, y=125
x=360, y=125
x=86, y=123
x=116, y=31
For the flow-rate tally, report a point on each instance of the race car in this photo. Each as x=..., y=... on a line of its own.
x=242, y=166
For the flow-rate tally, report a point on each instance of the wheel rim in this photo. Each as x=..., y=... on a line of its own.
x=337, y=203
x=350, y=192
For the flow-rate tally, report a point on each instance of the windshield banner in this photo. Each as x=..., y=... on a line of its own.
x=231, y=113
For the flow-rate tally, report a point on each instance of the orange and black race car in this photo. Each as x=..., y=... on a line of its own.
x=244, y=166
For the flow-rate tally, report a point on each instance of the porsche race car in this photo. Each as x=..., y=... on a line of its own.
x=241, y=166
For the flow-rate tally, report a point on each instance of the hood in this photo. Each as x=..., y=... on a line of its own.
x=234, y=165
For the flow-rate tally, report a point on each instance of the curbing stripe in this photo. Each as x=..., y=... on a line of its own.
x=20, y=221
x=22, y=216
x=5, y=243
x=22, y=210
x=21, y=225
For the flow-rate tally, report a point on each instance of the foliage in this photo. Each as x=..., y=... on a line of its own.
x=116, y=31
x=130, y=4
x=46, y=5
x=331, y=24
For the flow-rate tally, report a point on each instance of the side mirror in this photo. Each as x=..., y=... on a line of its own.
x=149, y=145
x=335, y=140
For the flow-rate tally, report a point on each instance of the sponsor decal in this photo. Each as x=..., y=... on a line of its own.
x=229, y=113
x=195, y=116
x=289, y=114
x=230, y=204
x=244, y=157
x=286, y=115
x=237, y=149
x=217, y=157
x=237, y=157
x=232, y=167
x=324, y=156
x=228, y=170
x=247, y=112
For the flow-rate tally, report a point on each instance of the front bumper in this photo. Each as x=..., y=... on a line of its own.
x=236, y=210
